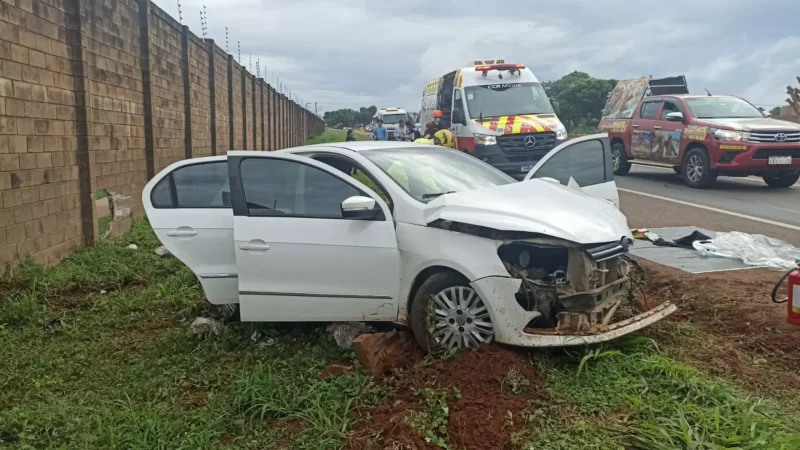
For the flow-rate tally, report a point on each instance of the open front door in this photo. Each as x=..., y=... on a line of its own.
x=300, y=254
x=587, y=161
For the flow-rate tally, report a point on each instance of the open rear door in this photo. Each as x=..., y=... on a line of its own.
x=585, y=162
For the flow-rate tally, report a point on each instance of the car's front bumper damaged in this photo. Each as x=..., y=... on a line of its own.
x=561, y=295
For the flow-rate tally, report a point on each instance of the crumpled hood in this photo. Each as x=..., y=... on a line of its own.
x=535, y=206
x=751, y=124
x=529, y=123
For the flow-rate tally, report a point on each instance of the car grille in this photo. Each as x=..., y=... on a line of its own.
x=514, y=144
x=758, y=137
x=608, y=251
x=765, y=153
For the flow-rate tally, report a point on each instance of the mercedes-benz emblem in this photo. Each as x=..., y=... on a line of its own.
x=780, y=137
x=530, y=141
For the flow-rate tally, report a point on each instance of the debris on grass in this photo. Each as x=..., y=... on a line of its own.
x=163, y=252
x=203, y=326
x=344, y=332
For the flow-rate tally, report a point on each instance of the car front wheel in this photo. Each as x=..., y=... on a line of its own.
x=620, y=159
x=696, y=169
x=448, y=315
x=781, y=180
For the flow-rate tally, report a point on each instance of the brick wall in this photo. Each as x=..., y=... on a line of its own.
x=236, y=102
x=200, y=96
x=221, y=119
x=166, y=83
x=89, y=101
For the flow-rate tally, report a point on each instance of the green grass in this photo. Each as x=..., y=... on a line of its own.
x=123, y=371
x=331, y=135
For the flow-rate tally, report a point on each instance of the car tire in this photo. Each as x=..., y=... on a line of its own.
x=783, y=180
x=441, y=325
x=619, y=159
x=677, y=169
x=696, y=169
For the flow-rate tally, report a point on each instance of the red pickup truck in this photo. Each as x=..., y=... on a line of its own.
x=701, y=136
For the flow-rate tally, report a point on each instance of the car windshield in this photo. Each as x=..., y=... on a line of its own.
x=722, y=108
x=507, y=99
x=429, y=172
x=393, y=119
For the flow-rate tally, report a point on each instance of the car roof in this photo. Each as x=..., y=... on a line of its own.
x=355, y=146
x=689, y=96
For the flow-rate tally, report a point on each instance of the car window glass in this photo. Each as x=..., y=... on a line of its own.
x=649, y=110
x=161, y=197
x=669, y=107
x=583, y=161
x=202, y=185
x=275, y=187
x=347, y=166
x=458, y=104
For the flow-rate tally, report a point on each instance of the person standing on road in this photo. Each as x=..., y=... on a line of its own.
x=380, y=133
x=349, y=136
x=401, y=132
x=413, y=133
x=434, y=125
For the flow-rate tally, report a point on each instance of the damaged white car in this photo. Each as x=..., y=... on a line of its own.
x=422, y=235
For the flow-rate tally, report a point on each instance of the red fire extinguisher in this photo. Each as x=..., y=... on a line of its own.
x=793, y=300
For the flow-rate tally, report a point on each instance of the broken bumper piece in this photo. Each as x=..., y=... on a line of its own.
x=510, y=320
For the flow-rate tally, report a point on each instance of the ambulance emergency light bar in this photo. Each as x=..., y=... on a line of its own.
x=511, y=68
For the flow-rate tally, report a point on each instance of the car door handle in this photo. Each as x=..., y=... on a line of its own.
x=182, y=232
x=636, y=125
x=250, y=246
x=657, y=127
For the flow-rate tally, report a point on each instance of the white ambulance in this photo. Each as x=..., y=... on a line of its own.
x=498, y=112
x=391, y=117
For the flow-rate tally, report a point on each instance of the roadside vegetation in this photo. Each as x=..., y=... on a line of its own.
x=96, y=353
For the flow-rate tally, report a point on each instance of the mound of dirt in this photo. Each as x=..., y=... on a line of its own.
x=735, y=309
x=487, y=393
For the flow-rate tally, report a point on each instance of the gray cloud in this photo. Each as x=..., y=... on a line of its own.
x=351, y=53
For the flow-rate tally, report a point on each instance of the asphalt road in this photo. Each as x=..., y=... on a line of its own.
x=654, y=196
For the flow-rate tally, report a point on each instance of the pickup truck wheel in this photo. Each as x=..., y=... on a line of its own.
x=619, y=159
x=677, y=169
x=448, y=315
x=781, y=180
x=696, y=169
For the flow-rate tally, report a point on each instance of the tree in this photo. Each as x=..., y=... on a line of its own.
x=776, y=111
x=580, y=96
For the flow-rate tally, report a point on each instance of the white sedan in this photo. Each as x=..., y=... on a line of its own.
x=399, y=232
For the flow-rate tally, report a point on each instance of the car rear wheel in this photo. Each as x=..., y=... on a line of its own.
x=448, y=315
x=620, y=159
x=781, y=180
x=696, y=169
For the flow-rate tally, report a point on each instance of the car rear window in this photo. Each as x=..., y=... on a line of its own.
x=202, y=185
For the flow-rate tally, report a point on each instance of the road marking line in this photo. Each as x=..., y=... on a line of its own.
x=709, y=208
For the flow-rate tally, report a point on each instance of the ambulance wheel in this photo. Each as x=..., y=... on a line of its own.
x=781, y=180
x=620, y=159
x=696, y=169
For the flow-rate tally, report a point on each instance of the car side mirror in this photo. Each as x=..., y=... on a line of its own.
x=458, y=117
x=675, y=116
x=557, y=108
x=361, y=208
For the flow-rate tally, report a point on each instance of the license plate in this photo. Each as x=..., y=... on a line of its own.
x=530, y=166
x=780, y=159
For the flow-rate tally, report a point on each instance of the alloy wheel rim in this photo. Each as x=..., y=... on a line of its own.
x=460, y=319
x=616, y=159
x=694, y=169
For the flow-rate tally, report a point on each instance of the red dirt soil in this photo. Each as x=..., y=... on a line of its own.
x=735, y=309
x=484, y=417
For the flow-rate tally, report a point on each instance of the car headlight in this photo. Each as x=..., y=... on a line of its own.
x=730, y=135
x=485, y=139
x=560, y=130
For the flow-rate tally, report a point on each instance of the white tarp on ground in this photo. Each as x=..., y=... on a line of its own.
x=751, y=249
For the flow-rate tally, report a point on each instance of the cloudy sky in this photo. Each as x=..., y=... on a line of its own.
x=351, y=53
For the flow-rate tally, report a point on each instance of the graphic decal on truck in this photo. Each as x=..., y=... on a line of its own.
x=695, y=132
x=624, y=98
x=666, y=145
x=617, y=126
x=641, y=142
